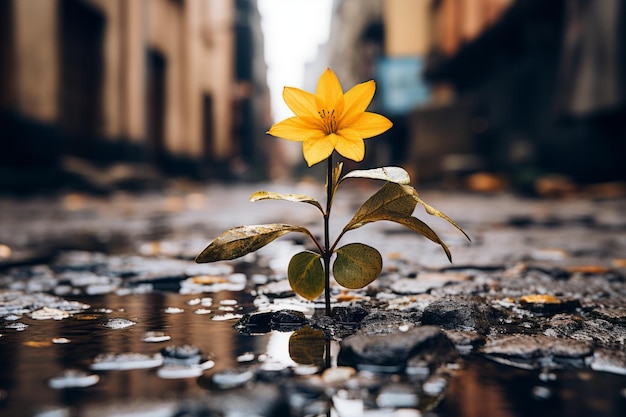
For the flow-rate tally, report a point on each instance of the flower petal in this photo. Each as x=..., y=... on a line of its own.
x=350, y=145
x=317, y=149
x=296, y=128
x=329, y=89
x=301, y=102
x=357, y=99
x=368, y=125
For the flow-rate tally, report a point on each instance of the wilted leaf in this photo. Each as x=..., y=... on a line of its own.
x=392, y=174
x=392, y=198
x=242, y=240
x=298, y=198
x=434, y=212
x=356, y=265
x=396, y=203
x=422, y=228
x=306, y=274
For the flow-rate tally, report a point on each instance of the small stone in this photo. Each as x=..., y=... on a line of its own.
x=390, y=352
x=118, y=323
x=255, y=322
x=125, y=361
x=352, y=315
x=231, y=378
x=47, y=313
x=155, y=337
x=547, y=304
x=73, y=378
x=541, y=393
x=338, y=374
x=459, y=313
x=287, y=320
x=181, y=355
x=613, y=361
x=397, y=396
x=528, y=351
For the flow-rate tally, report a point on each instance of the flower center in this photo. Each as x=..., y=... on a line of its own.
x=328, y=120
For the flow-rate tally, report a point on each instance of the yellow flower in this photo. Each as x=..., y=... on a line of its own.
x=331, y=120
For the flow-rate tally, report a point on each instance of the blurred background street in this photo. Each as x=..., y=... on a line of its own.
x=133, y=132
x=98, y=95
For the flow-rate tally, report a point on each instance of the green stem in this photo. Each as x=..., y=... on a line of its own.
x=327, y=251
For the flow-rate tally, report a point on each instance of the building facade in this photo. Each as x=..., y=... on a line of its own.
x=161, y=82
x=521, y=88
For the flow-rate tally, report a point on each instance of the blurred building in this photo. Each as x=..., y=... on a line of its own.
x=519, y=87
x=544, y=83
x=175, y=85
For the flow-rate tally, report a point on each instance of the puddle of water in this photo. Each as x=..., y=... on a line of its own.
x=147, y=323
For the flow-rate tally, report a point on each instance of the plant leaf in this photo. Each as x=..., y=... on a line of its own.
x=396, y=203
x=423, y=229
x=298, y=198
x=356, y=265
x=391, y=198
x=392, y=174
x=306, y=274
x=434, y=212
x=242, y=240
x=307, y=346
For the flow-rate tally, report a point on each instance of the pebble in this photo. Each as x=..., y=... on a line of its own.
x=397, y=396
x=338, y=374
x=118, y=323
x=47, y=313
x=172, y=371
x=613, y=361
x=529, y=351
x=155, y=337
x=125, y=361
x=181, y=355
x=391, y=352
x=72, y=378
x=231, y=378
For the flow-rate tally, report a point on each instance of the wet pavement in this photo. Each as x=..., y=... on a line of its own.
x=104, y=312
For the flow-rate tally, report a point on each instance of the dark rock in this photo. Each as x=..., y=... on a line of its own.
x=255, y=322
x=181, y=355
x=388, y=321
x=613, y=361
x=459, y=314
x=351, y=315
x=613, y=315
x=465, y=341
x=536, y=350
x=288, y=320
x=390, y=352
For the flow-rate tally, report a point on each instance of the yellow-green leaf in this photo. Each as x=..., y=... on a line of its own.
x=306, y=274
x=423, y=229
x=391, y=198
x=434, y=212
x=356, y=265
x=392, y=174
x=298, y=198
x=242, y=240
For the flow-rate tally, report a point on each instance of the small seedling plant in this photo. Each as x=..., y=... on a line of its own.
x=326, y=122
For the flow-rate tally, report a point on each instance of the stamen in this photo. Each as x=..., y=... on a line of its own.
x=328, y=120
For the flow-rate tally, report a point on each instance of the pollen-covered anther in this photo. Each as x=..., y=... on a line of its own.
x=329, y=121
